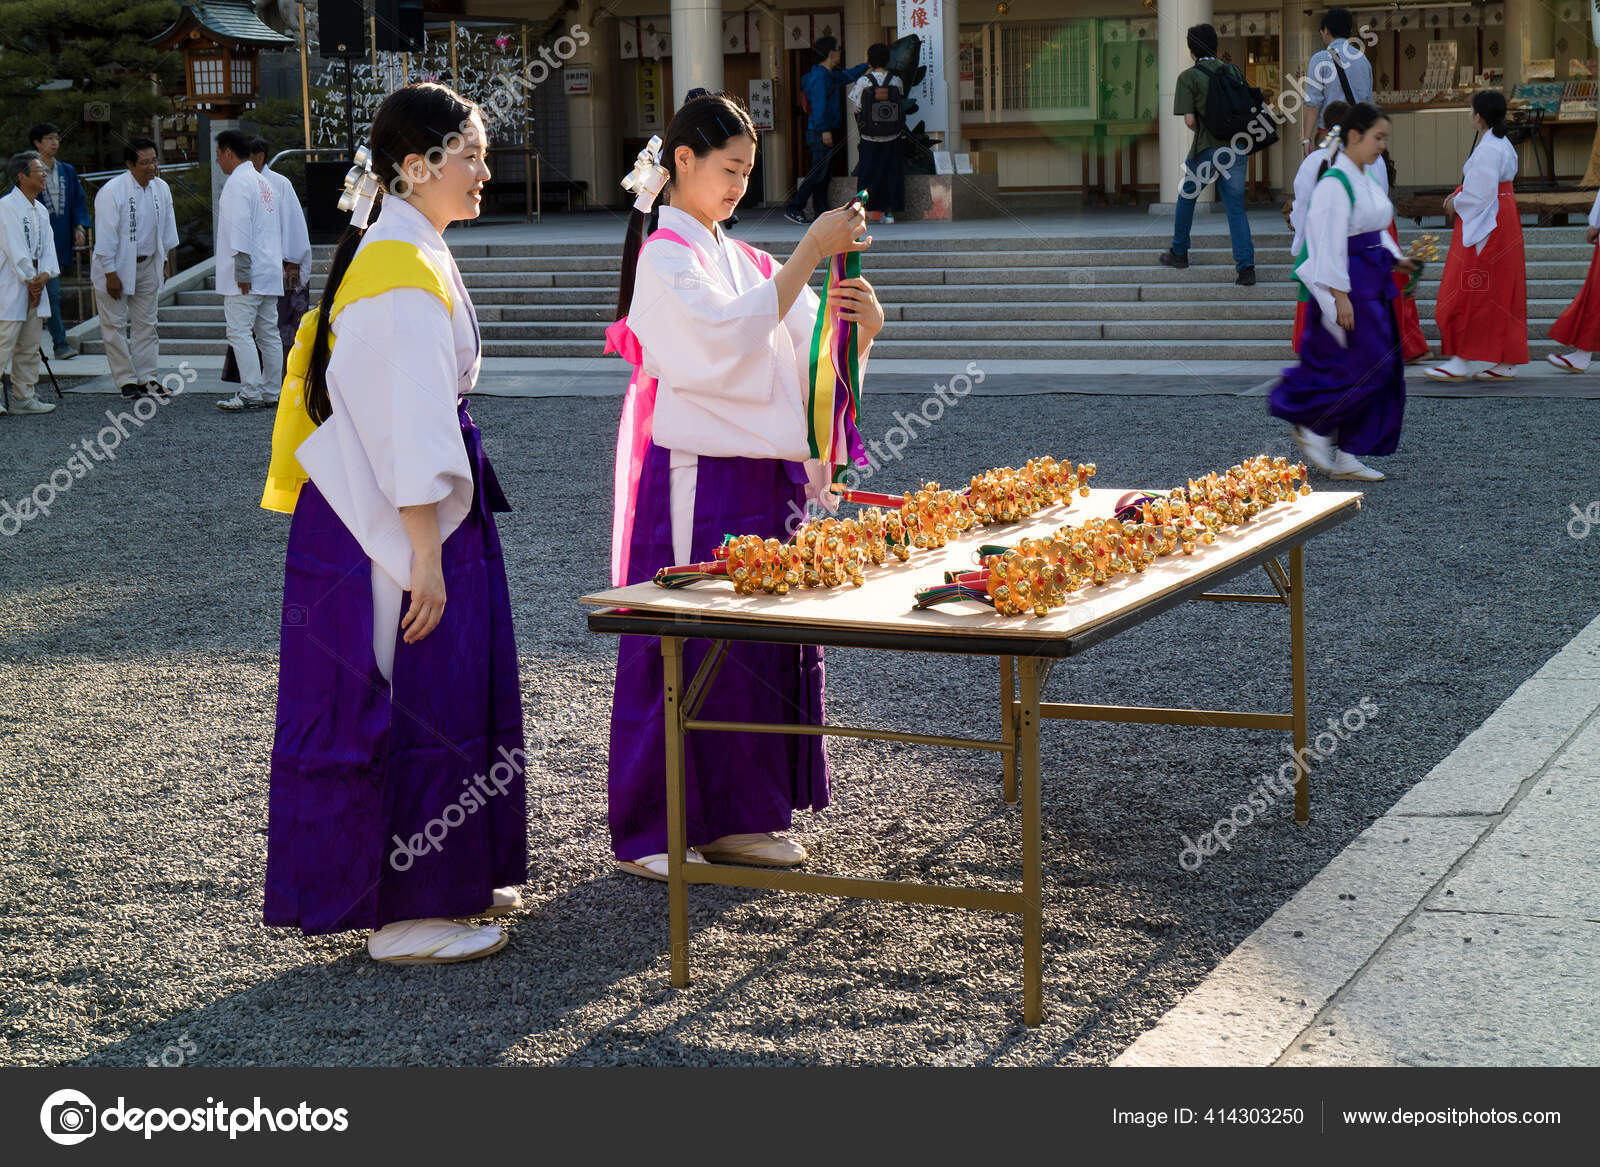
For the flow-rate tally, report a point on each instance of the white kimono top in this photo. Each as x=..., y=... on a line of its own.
x=292, y=231
x=731, y=375
x=129, y=221
x=399, y=363
x=247, y=221
x=1305, y=179
x=1594, y=212
x=29, y=250
x=1331, y=220
x=1493, y=161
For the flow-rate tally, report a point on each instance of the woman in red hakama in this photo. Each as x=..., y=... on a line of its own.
x=1483, y=296
x=1579, y=325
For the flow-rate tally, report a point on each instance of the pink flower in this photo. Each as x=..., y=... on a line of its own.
x=501, y=41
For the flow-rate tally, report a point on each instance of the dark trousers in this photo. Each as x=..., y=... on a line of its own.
x=814, y=188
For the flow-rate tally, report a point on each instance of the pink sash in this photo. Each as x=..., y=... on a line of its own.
x=638, y=415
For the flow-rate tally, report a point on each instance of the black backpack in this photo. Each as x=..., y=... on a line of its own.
x=1233, y=107
x=880, y=119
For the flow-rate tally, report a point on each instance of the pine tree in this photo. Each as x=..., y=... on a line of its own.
x=58, y=56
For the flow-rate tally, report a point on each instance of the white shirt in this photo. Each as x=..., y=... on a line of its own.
x=731, y=373
x=247, y=221
x=131, y=220
x=296, y=242
x=1330, y=221
x=1493, y=161
x=29, y=250
x=1305, y=179
x=52, y=187
x=399, y=362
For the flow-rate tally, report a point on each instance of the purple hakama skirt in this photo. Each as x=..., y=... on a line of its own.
x=1356, y=395
x=736, y=783
x=403, y=801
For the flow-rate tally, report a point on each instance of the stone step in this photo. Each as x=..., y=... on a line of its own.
x=886, y=241
x=959, y=351
x=961, y=260
x=955, y=316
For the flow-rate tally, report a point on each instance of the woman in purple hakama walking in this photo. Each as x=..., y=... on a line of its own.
x=1347, y=395
x=397, y=798
x=714, y=441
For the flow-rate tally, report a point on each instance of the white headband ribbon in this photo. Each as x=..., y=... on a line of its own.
x=360, y=190
x=648, y=176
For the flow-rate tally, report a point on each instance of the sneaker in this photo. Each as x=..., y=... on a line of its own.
x=157, y=390
x=1347, y=465
x=888, y=217
x=1318, y=450
x=1168, y=259
x=797, y=217
x=24, y=405
x=1247, y=277
x=66, y=353
x=239, y=402
x=132, y=392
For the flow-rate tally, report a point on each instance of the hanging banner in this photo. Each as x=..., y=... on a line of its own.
x=650, y=113
x=925, y=18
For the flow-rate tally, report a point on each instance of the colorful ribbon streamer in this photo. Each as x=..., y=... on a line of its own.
x=835, y=389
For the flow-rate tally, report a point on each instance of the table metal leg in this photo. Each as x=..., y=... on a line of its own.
x=1297, y=669
x=1008, y=726
x=677, y=832
x=1032, y=876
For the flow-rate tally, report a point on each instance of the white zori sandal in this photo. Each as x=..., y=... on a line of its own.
x=763, y=850
x=1560, y=361
x=433, y=942
x=655, y=866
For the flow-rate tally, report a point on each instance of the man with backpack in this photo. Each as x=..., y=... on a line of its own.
x=881, y=118
x=820, y=90
x=1218, y=89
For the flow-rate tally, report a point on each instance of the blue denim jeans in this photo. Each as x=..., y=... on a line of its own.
x=1199, y=173
x=58, y=327
x=814, y=187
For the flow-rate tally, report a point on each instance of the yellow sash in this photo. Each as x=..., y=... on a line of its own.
x=381, y=266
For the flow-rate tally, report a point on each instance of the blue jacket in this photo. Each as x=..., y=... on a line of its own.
x=823, y=87
x=73, y=213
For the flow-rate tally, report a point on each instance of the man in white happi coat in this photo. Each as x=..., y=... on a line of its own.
x=136, y=232
x=249, y=274
x=27, y=263
x=296, y=298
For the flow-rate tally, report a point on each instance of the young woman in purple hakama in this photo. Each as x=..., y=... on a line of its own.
x=1347, y=395
x=714, y=441
x=397, y=798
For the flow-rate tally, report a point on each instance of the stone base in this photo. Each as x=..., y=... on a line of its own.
x=935, y=196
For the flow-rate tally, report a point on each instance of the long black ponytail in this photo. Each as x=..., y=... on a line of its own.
x=421, y=118
x=1491, y=107
x=703, y=124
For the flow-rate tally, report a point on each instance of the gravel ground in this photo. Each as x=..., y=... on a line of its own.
x=138, y=634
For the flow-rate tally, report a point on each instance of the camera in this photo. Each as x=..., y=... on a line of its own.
x=72, y=1118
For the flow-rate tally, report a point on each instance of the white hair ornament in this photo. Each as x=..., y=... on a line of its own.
x=648, y=176
x=360, y=189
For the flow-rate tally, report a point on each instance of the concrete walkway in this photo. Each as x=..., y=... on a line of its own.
x=1461, y=929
